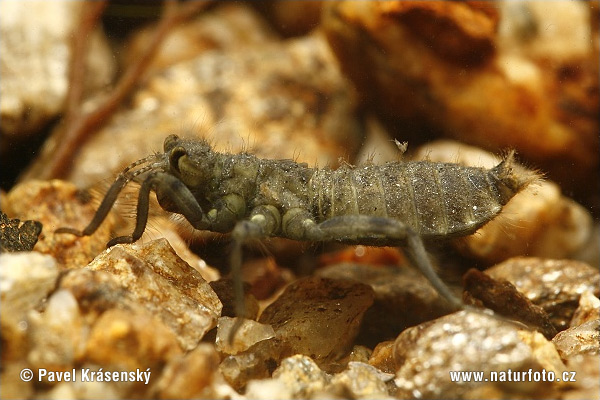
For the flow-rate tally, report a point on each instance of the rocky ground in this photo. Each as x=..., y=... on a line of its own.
x=328, y=84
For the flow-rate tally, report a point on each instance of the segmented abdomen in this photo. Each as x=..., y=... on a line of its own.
x=435, y=199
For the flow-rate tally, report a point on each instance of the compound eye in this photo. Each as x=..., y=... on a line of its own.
x=174, y=157
x=170, y=142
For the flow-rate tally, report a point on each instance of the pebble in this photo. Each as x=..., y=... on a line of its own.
x=191, y=375
x=555, y=285
x=26, y=279
x=154, y=276
x=464, y=341
x=403, y=298
x=249, y=333
x=59, y=204
x=319, y=317
x=36, y=51
x=425, y=82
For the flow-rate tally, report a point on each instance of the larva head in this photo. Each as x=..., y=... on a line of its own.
x=511, y=177
x=191, y=161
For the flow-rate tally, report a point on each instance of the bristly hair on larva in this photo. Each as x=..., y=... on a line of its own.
x=513, y=176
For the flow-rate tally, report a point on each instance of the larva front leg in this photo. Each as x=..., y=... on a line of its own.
x=172, y=195
x=103, y=209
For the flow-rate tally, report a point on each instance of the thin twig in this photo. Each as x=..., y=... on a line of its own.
x=59, y=150
x=90, y=15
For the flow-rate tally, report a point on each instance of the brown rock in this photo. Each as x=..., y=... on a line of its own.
x=403, y=298
x=503, y=298
x=319, y=317
x=25, y=280
x=166, y=286
x=191, y=375
x=258, y=362
x=449, y=67
x=128, y=340
x=161, y=226
x=555, y=285
x=36, y=51
x=302, y=376
x=383, y=357
x=16, y=235
x=247, y=334
x=60, y=204
x=363, y=381
x=588, y=310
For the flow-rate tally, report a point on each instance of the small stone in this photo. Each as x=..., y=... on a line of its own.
x=191, y=375
x=582, y=339
x=268, y=389
x=503, y=298
x=302, y=376
x=360, y=354
x=319, y=317
x=165, y=285
x=164, y=227
x=248, y=333
x=383, y=357
x=258, y=362
x=403, y=298
x=36, y=51
x=97, y=292
x=543, y=350
x=363, y=381
x=588, y=310
x=57, y=335
x=25, y=280
x=463, y=341
x=127, y=340
x=60, y=204
x=555, y=285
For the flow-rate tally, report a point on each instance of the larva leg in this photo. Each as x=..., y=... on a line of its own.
x=179, y=196
x=364, y=228
x=264, y=222
x=107, y=203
